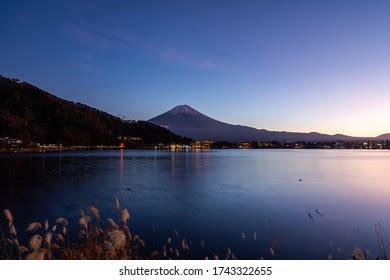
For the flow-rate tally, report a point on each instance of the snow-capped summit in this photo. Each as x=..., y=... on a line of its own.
x=183, y=109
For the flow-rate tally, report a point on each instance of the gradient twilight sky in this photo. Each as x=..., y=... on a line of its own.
x=280, y=65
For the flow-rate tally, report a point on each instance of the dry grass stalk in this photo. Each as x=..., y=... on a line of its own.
x=48, y=237
x=34, y=227
x=184, y=245
x=59, y=237
x=62, y=221
x=23, y=250
x=117, y=239
x=271, y=252
x=15, y=241
x=127, y=232
x=125, y=216
x=112, y=224
x=38, y=254
x=64, y=230
x=8, y=215
x=35, y=242
x=46, y=225
x=358, y=254
x=84, y=221
x=12, y=230
x=94, y=211
x=381, y=243
x=117, y=204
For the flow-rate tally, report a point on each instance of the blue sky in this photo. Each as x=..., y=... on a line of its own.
x=281, y=65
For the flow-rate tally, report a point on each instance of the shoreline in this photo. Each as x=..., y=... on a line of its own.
x=106, y=148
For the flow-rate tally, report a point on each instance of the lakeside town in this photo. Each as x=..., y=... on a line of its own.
x=8, y=144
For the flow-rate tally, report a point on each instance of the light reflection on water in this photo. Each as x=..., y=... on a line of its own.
x=214, y=196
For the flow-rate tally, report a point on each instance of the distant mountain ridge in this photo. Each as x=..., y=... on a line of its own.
x=383, y=137
x=187, y=121
x=33, y=115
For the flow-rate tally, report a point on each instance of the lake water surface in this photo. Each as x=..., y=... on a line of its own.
x=215, y=196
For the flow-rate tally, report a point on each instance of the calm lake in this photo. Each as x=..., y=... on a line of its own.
x=215, y=196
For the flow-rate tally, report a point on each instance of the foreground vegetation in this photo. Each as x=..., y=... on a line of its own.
x=95, y=239
x=112, y=239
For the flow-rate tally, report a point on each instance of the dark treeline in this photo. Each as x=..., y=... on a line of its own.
x=35, y=116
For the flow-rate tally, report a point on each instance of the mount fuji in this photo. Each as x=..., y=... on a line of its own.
x=186, y=121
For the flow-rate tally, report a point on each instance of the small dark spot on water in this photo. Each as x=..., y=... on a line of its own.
x=319, y=213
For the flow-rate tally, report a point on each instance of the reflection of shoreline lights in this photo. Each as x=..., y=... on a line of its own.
x=173, y=165
x=121, y=166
